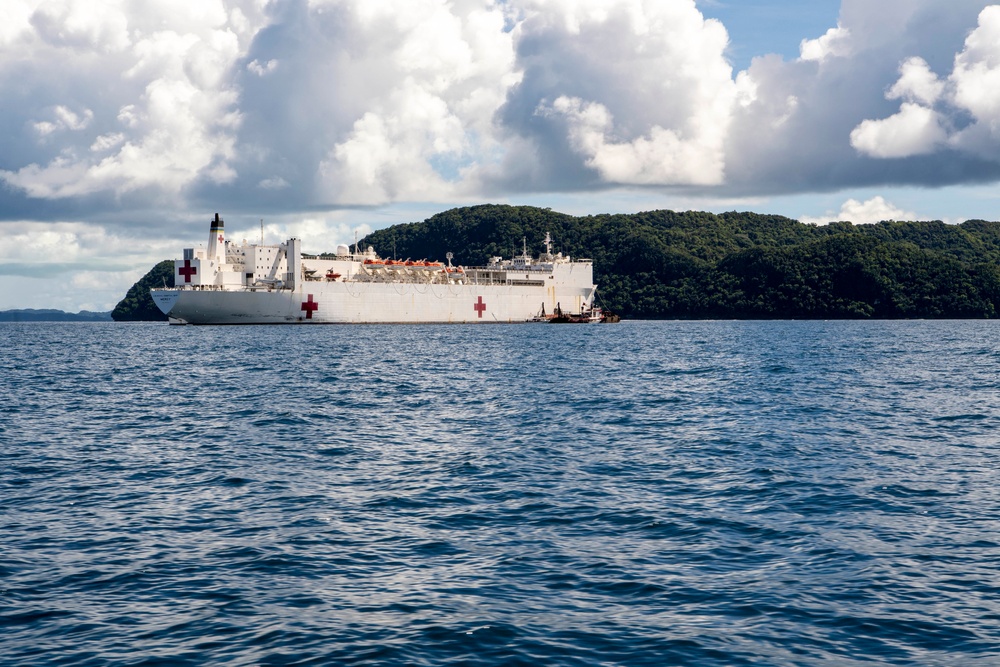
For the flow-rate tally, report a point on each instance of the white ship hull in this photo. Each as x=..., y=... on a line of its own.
x=366, y=303
x=259, y=284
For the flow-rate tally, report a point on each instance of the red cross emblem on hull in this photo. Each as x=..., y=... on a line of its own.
x=187, y=270
x=479, y=307
x=309, y=306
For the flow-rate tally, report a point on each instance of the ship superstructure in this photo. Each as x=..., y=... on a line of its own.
x=230, y=283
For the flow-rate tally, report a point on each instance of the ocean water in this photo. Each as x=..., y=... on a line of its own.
x=648, y=493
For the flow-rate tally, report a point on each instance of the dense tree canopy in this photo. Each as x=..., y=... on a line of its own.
x=665, y=264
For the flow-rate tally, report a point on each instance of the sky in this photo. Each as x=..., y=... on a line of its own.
x=125, y=126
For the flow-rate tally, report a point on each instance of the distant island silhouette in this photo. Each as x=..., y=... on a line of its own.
x=51, y=315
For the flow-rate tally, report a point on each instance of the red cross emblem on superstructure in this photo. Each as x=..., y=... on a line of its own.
x=479, y=307
x=187, y=270
x=221, y=237
x=309, y=306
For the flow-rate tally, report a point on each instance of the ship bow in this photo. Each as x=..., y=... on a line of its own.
x=165, y=299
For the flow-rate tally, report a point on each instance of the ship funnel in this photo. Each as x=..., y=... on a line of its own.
x=216, y=240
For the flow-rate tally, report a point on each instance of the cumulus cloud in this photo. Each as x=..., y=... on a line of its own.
x=154, y=107
x=976, y=86
x=262, y=69
x=977, y=68
x=915, y=130
x=64, y=119
x=971, y=90
x=917, y=83
x=90, y=26
x=836, y=42
x=622, y=92
x=398, y=98
x=866, y=91
x=871, y=211
x=662, y=157
x=107, y=142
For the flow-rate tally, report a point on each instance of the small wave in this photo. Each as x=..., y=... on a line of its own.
x=965, y=417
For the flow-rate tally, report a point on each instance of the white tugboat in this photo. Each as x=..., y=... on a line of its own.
x=230, y=283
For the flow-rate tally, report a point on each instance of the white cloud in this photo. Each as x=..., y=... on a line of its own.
x=262, y=69
x=15, y=22
x=325, y=233
x=870, y=211
x=86, y=25
x=181, y=131
x=388, y=154
x=658, y=158
x=64, y=119
x=71, y=120
x=972, y=90
x=836, y=42
x=107, y=142
x=71, y=242
x=917, y=83
x=915, y=130
x=893, y=49
x=160, y=110
x=976, y=84
x=633, y=91
x=439, y=71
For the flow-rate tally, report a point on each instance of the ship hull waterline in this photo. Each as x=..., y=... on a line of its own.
x=365, y=303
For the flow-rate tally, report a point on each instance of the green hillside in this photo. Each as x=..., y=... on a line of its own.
x=665, y=264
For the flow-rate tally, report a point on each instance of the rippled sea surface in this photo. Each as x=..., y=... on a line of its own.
x=648, y=493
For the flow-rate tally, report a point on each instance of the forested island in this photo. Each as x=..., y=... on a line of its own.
x=695, y=265
x=138, y=306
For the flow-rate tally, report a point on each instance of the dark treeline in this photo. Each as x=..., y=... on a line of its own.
x=663, y=264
